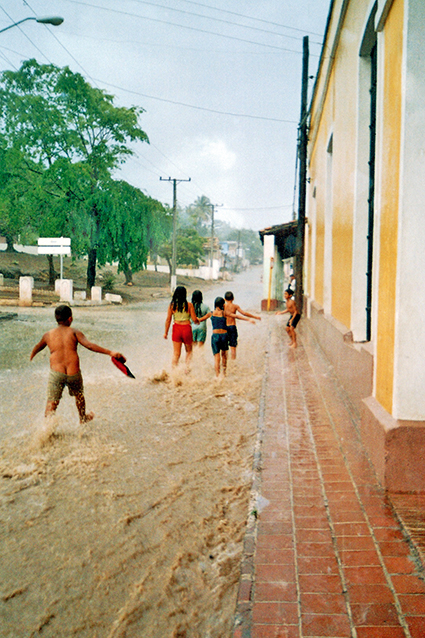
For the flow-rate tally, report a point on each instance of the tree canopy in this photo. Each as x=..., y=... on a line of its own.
x=72, y=137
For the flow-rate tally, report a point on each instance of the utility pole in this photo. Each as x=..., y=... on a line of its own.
x=174, y=253
x=302, y=153
x=238, y=251
x=213, y=206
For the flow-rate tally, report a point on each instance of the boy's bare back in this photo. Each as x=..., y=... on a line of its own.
x=230, y=309
x=62, y=343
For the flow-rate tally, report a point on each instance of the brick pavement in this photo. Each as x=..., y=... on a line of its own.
x=324, y=552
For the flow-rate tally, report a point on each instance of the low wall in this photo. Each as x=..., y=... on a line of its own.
x=395, y=447
x=353, y=362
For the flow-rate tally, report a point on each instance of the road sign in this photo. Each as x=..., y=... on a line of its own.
x=55, y=246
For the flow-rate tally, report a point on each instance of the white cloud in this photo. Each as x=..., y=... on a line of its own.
x=218, y=154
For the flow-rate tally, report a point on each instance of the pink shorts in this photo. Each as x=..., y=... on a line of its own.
x=182, y=333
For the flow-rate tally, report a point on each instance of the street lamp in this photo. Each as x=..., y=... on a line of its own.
x=55, y=20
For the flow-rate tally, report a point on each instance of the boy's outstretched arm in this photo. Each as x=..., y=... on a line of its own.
x=247, y=318
x=81, y=338
x=247, y=314
x=39, y=347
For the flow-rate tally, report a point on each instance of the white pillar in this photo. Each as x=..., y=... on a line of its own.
x=26, y=284
x=96, y=293
x=66, y=290
x=409, y=368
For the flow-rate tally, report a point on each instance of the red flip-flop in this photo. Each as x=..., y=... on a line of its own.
x=121, y=366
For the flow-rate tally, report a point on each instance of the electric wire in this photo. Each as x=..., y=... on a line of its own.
x=221, y=20
x=198, y=108
x=63, y=46
x=241, y=15
x=27, y=37
x=181, y=26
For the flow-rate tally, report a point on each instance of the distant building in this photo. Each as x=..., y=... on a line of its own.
x=278, y=251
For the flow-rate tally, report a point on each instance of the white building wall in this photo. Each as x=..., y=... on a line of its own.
x=409, y=378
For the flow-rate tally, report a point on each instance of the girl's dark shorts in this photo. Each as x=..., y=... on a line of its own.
x=219, y=342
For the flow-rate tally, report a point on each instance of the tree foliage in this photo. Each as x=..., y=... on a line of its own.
x=73, y=136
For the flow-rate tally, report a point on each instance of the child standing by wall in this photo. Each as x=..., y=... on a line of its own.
x=291, y=307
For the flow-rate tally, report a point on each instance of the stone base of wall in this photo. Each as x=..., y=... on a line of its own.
x=275, y=304
x=352, y=362
x=396, y=447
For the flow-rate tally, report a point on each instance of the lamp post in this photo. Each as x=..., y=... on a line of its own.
x=55, y=20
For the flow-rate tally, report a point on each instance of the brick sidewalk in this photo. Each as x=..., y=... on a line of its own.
x=324, y=554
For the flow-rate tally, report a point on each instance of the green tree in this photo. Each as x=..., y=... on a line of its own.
x=199, y=215
x=74, y=133
x=189, y=248
x=250, y=242
x=133, y=222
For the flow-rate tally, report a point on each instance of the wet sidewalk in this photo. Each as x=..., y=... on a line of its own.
x=326, y=553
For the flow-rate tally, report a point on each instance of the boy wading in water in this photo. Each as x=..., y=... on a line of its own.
x=291, y=307
x=65, y=362
x=231, y=309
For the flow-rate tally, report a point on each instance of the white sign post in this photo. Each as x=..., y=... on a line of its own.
x=55, y=246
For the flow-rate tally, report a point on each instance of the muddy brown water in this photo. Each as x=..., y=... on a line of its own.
x=132, y=525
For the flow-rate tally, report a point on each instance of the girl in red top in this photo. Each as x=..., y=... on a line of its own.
x=181, y=311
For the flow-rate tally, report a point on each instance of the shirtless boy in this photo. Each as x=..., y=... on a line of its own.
x=291, y=307
x=230, y=309
x=65, y=363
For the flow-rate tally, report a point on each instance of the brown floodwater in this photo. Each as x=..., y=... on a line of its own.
x=132, y=525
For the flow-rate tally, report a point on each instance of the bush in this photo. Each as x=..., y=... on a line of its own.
x=108, y=281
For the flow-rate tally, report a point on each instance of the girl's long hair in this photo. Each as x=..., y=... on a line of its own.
x=179, y=300
x=197, y=301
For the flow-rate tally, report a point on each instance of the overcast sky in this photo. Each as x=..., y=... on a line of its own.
x=220, y=82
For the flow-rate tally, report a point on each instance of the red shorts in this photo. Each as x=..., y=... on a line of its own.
x=182, y=333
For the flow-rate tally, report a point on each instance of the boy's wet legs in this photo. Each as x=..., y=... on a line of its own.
x=292, y=335
x=51, y=407
x=80, y=402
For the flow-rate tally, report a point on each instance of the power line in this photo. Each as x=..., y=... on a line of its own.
x=181, y=26
x=62, y=45
x=27, y=37
x=241, y=15
x=199, y=108
x=221, y=20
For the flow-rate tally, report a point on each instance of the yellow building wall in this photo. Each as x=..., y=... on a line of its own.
x=318, y=180
x=338, y=117
x=390, y=171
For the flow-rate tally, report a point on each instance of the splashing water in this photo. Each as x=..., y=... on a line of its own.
x=131, y=525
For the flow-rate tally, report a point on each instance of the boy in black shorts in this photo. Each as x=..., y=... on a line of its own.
x=230, y=309
x=291, y=307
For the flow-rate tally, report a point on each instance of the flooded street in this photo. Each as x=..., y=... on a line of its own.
x=132, y=525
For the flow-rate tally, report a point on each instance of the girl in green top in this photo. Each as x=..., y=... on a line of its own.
x=199, y=332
